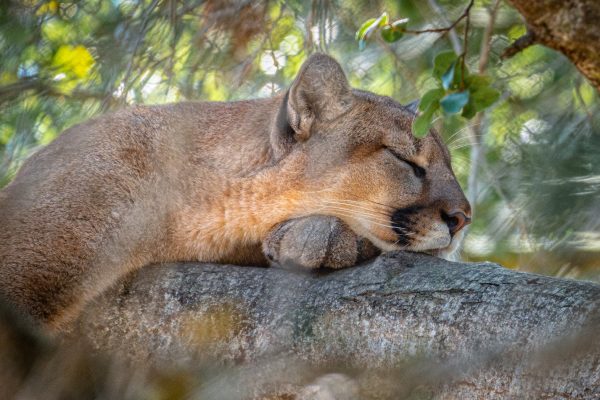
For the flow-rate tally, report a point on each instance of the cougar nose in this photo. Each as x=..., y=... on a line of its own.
x=456, y=220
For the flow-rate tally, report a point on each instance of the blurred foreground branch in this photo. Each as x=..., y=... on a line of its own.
x=403, y=326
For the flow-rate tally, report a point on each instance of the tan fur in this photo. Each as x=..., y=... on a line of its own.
x=209, y=182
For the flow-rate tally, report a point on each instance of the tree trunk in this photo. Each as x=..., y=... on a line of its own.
x=404, y=325
x=571, y=27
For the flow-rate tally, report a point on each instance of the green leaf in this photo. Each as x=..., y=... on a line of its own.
x=477, y=81
x=378, y=23
x=430, y=97
x=482, y=95
x=458, y=76
x=391, y=35
x=469, y=110
x=368, y=27
x=454, y=102
x=394, y=31
x=400, y=24
x=360, y=33
x=448, y=76
x=383, y=20
x=421, y=124
x=442, y=62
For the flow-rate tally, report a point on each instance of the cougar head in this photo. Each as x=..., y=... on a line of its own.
x=363, y=164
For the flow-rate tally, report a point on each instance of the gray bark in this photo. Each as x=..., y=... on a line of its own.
x=403, y=326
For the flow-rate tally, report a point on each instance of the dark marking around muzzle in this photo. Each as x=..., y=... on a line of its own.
x=402, y=221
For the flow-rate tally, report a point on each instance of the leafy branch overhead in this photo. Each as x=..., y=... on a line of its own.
x=457, y=91
x=390, y=32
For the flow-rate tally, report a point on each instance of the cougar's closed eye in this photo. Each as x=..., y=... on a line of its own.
x=417, y=169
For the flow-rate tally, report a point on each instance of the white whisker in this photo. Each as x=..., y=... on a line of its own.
x=460, y=147
x=357, y=206
x=367, y=201
x=355, y=215
x=460, y=141
x=449, y=140
x=358, y=214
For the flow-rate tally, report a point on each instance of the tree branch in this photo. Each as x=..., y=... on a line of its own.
x=403, y=323
x=570, y=27
x=528, y=39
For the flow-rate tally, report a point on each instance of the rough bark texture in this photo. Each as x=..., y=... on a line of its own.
x=569, y=26
x=401, y=326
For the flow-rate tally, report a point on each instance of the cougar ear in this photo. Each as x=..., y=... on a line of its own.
x=319, y=92
x=413, y=106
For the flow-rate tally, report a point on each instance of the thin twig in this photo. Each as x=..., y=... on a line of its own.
x=483, y=61
x=446, y=29
x=456, y=45
x=463, y=56
x=476, y=134
x=486, y=41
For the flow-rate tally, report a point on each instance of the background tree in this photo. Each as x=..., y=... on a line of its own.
x=529, y=162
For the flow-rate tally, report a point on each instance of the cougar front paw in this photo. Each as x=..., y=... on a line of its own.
x=314, y=242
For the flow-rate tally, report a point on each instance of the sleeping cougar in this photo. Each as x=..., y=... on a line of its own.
x=312, y=177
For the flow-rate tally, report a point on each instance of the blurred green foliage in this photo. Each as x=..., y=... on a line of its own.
x=533, y=175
